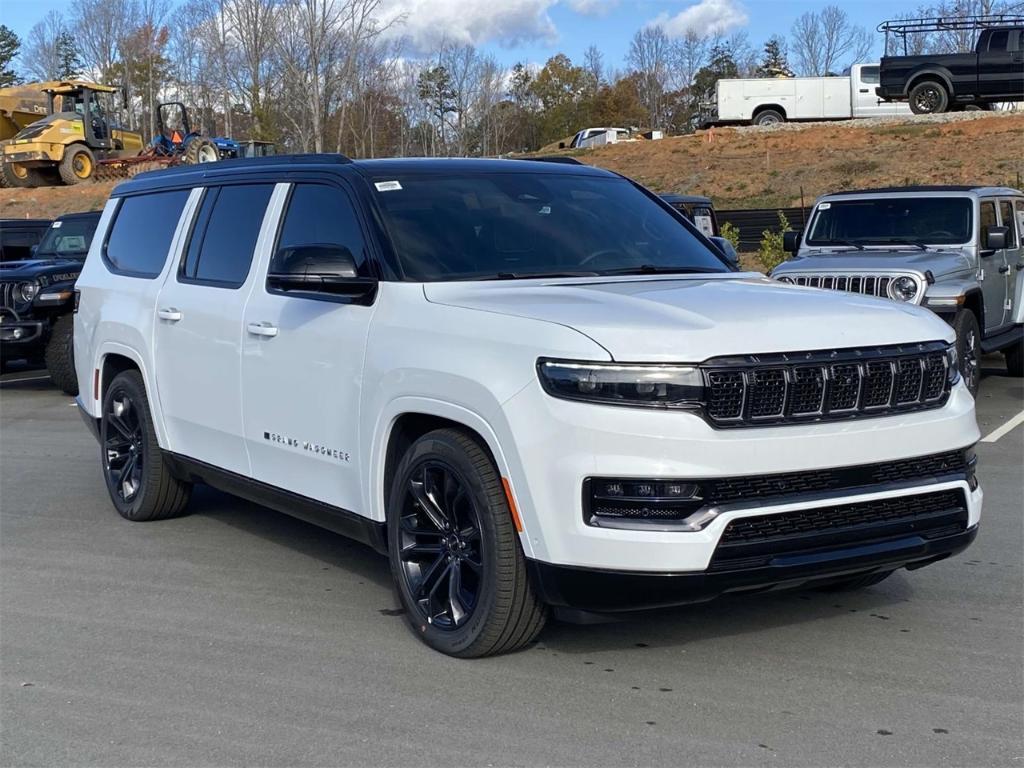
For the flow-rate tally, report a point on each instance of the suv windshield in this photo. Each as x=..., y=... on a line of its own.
x=68, y=238
x=883, y=220
x=509, y=225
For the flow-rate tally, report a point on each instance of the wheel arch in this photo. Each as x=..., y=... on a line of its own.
x=766, y=107
x=112, y=359
x=408, y=419
x=929, y=73
x=975, y=303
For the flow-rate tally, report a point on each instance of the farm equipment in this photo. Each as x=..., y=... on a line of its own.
x=175, y=143
x=81, y=128
x=19, y=107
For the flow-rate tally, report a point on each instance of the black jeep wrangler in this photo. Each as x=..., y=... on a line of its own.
x=37, y=299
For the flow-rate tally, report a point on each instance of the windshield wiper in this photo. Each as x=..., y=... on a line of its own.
x=899, y=241
x=532, y=275
x=650, y=269
x=851, y=243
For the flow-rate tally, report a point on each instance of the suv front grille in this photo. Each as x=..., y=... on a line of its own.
x=868, y=285
x=7, y=295
x=754, y=542
x=825, y=385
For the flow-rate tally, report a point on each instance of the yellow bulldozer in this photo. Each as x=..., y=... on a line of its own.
x=79, y=130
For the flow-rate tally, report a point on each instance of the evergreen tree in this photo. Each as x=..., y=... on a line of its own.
x=773, y=61
x=9, y=45
x=70, y=65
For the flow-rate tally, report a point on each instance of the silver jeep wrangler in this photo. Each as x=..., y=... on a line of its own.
x=953, y=249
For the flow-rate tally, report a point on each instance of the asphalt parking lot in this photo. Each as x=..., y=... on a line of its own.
x=238, y=636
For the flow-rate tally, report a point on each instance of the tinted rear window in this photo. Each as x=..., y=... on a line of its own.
x=141, y=235
x=221, y=247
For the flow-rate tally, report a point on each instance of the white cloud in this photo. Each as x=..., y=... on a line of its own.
x=707, y=17
x=507, y=22
x=593, y=7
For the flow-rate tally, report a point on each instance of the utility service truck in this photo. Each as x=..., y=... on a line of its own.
x=772, y=100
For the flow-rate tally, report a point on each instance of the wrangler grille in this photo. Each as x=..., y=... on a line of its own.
x=825, y=385
x=867, y=285
x=6, y=295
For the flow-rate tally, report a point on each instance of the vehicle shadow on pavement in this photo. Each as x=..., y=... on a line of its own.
x=728, y=616
x=332, y=549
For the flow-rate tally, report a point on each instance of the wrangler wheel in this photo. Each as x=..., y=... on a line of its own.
x=455, y=553
x=139, y=482
x=968, y=349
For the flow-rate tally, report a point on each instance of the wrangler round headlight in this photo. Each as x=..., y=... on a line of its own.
x=25, y=292
x=903, y=288
x=658, y=386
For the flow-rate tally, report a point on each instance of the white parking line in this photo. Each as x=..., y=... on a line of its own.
x=995, y=434
x=25, y=378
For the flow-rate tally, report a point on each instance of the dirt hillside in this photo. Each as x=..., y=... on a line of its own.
x=766, y=167
x=750, y=167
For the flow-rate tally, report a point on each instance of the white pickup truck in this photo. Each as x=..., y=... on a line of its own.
x=772, y=100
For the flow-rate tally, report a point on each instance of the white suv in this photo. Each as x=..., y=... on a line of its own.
x=531, y=384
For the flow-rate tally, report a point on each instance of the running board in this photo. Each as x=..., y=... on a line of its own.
x=1003, y=340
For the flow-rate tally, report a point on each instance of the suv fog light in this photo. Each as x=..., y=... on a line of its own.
x=606, y=501
x=17, y=333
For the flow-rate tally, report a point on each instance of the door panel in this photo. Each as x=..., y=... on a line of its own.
x=198, y=333
x=992, y=277
x=302, y=361
x=1014, y=257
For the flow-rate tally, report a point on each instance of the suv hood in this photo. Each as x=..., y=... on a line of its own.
x=694, y=318
x=27, y=269
x=938, y=262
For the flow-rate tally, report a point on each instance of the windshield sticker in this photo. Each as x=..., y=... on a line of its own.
x=387, y=186
x=824, y=206
x=56, y=224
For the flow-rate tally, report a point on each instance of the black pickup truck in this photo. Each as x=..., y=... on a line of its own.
x=992, y=73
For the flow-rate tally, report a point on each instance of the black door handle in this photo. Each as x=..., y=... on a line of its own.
x=1004, y=269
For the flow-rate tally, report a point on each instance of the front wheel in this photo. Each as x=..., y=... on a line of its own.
x=60, y=355
x=928, y=98
x=968, y=349
x=200, y=150
x=455, y=553
x=768, y=117
x=77, y=165
x=139, y=482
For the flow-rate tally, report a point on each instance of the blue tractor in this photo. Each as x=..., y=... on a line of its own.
x=175, y=137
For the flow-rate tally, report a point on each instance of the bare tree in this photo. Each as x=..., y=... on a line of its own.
x=99, y=30
x=253, y=29
x=824, y=40
x=593, y=63
x=41, y=52
x=650, y=57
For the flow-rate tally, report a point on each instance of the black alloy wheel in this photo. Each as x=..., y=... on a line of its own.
x=439, y=547
x=123, y=447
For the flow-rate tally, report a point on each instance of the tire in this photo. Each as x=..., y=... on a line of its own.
x=200, y=150
x=17, y=175
x=60, y=355
x=968, y=349
x=138, y=480
x=1015, y=359
x=928, y=97
x=490, y=606
x=78, y=164
x=768, y=117
x=862, y=581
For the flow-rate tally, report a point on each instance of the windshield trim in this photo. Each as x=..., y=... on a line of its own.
x=876, y=242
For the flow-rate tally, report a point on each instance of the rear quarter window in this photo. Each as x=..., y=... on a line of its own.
x=140, y=237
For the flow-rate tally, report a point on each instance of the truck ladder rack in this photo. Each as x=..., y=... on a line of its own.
x=904, y=27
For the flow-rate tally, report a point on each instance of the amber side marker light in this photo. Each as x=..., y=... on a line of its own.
x=512, y=504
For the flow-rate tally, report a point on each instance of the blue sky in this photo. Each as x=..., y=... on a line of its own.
x=532, y=30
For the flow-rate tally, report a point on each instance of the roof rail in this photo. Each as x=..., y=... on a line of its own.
x=904, y=27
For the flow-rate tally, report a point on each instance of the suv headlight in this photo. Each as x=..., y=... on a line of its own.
x=25, y=292
x=953, y=371
x=652, y=386
x=903, y=288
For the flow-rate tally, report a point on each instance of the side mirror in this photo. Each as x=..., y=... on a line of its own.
x=727, y=249
x=320, y=269
x=791, y=241
x=561, y=145
x=33, y=249
x=994, y=238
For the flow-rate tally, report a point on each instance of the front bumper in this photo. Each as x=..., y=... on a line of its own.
x=34, y=153
x=21, y=334
x=610, y=591
x=559, y=444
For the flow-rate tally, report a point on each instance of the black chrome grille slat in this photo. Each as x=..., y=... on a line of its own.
x=825, y=385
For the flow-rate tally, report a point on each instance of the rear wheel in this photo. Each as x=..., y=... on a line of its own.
x=200, y=151
x=968, y=349
x=60, y=355
x=17, y=175
x=928, y=97
x=139, y=482
x=455, y=553
x=78, y=164
x=768, y=117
